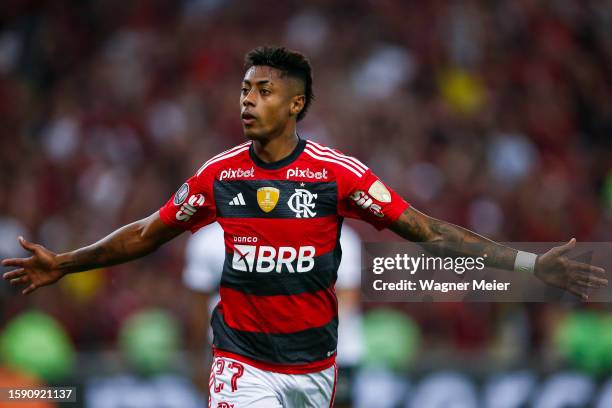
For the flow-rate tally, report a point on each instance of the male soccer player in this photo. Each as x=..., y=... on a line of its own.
x=280, y=200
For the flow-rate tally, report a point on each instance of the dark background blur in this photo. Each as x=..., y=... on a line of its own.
x=495, y=115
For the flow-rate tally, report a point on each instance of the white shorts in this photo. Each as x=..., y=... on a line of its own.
x=234, y=384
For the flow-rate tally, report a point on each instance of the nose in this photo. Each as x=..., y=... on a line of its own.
x=250, y=98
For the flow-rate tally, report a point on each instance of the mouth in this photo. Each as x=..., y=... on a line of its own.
x=248, y=118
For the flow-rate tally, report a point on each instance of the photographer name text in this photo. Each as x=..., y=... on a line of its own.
x=429, y=285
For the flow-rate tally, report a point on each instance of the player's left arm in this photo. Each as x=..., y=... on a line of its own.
x=552, y=267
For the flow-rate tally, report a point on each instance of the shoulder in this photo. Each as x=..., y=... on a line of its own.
x=338, y=161
x=230, y=156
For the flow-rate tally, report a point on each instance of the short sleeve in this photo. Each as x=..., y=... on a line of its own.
x=205, y=255
x=369, y=199
x=192, y=206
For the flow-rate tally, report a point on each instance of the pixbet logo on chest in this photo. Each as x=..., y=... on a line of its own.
x=307, y=173
x=249, y=258
x=237, y=173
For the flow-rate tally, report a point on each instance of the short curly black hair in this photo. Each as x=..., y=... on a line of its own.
x=289, y=62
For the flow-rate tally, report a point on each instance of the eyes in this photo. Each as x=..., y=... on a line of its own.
x=244, y=91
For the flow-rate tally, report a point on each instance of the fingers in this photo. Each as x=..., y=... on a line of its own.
x=28, y=246
x=587, y=275
x=29, y=289
x=591, y=282
x=20, y=280
x=563, y=249
x=19, y=262
x=579, y=266
x=579, y=291
x=14, y=274
x=17, y=277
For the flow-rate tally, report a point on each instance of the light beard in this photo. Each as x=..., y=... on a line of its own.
x=253, y=136
x=261, y=135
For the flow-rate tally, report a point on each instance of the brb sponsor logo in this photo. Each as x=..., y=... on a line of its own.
x=365, y=201
x=237, y=173
x=264, y=259
x=307, y=173
x=189, y=208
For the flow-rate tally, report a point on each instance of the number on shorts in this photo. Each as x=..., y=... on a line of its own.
x=239, y=371
x=220, y=367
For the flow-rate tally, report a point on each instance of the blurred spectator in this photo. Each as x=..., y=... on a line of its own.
x=392, y=340
x=36, y=344
x=34, y=353
x=10, y=378
x=149, y=341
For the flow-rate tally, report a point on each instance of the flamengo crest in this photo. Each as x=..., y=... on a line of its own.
x=302, y=203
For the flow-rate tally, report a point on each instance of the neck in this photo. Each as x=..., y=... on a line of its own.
x=275, y=149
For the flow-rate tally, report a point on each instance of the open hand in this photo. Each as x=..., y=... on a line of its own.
x=555, y=269
x=38, y=270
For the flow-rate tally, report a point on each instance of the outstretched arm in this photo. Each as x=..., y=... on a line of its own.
x=127, y=243
x=449, y=239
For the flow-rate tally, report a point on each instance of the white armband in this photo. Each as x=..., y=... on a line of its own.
x=525, y=262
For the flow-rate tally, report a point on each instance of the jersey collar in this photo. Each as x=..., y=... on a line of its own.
x=281, y=163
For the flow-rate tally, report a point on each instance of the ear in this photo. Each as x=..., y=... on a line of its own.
x=297, y=104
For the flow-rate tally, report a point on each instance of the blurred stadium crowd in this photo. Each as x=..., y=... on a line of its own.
x=492, y=115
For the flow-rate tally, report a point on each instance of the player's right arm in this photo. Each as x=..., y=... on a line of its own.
x=129, y=242
x=190, y=208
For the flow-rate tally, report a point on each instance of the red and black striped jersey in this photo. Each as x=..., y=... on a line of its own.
x=282, y=223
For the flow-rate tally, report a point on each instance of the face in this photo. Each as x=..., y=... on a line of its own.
x=269, y=102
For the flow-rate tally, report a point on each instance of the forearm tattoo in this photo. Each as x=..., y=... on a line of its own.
x=447, y=239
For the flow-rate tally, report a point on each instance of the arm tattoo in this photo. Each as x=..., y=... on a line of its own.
x=123, y=245
x=83, y=259
x=446, y=239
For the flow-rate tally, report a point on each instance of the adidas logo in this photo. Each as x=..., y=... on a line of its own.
x=238, y=200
